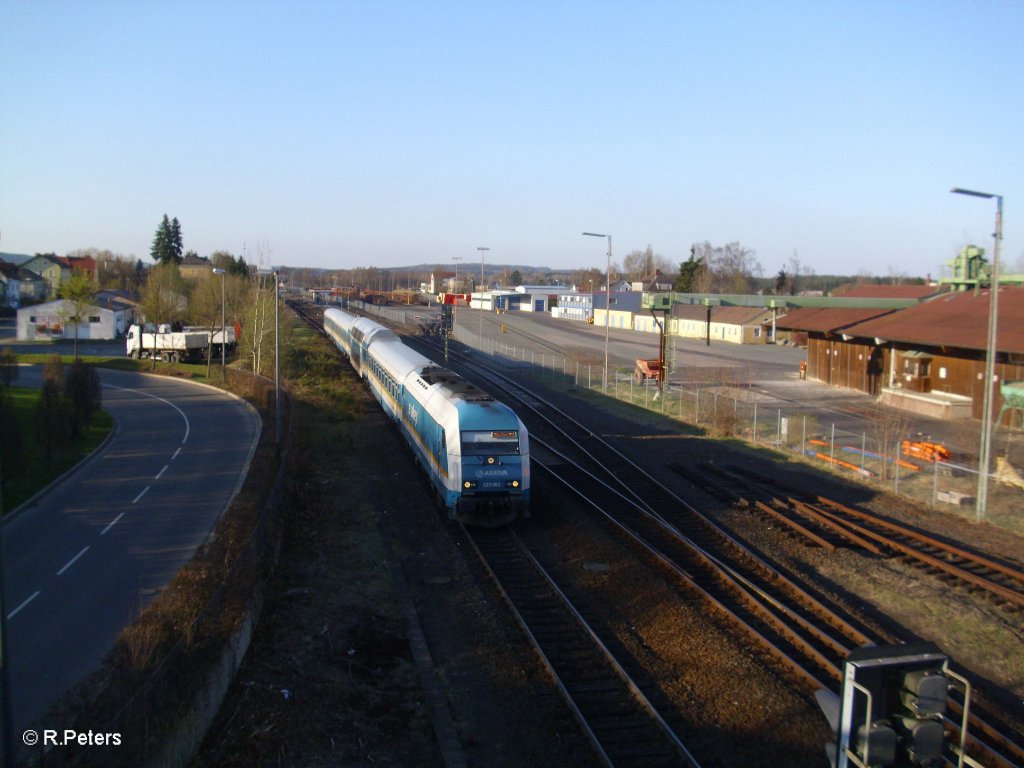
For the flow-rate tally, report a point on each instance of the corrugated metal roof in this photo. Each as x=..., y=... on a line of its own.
x=826, y=319
x=953, y=320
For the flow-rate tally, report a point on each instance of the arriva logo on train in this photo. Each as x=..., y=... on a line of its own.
x=492, y=473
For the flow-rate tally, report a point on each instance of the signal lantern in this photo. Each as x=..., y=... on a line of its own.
x=890, y=710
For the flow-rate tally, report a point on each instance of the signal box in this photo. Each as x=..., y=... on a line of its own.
x=891, y=710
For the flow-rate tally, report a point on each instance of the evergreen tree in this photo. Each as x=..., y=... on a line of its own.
x=781, y=283
x=239, y=267
x=84, y=395
x=167, y=245
x=176, y=244
x=160, y=251
x=51, y=410
x=685, y=281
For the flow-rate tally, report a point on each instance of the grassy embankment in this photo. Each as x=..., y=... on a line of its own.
x=35, y=470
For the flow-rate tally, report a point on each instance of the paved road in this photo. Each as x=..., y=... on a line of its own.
x=82, y=560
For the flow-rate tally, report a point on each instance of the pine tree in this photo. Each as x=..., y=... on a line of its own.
x=176, y=244
x=167, y=244
x=161, y=249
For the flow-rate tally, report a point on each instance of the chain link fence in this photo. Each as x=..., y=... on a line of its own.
x=722, y=404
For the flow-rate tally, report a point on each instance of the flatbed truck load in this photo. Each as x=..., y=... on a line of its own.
x=164, y=344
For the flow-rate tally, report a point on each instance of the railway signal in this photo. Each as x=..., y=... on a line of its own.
x=891, y=707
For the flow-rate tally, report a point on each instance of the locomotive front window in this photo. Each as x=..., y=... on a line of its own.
x=504, y=443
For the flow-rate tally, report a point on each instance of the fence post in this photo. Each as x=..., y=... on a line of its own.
x=896, y=467
x=864, y=447
x=755, y=421
x=832, y=447
x=803, y=438
x=778, y=431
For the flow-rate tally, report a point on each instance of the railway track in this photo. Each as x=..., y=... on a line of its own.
x=808, y=638
x=622, y=725
x=816, y=517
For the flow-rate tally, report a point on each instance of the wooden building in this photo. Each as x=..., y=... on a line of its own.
x=834, y=356
x=929, y=358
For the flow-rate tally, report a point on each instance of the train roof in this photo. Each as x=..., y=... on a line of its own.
x=398, y=358
x=455, y=385
x=402, y=360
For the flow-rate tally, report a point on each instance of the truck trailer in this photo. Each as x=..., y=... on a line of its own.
x=187, y=345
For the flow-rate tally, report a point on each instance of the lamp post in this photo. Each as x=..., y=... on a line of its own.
x=455, y=289
x=991, y=352
x=223, y=329
x=482, y=248
x=608, y=305
x=277, y=359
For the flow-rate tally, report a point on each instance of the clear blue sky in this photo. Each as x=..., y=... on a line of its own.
x=342, y=134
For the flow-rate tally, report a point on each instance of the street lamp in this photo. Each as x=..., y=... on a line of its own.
x=991, y=351
x=482, y=248
x=223, y=330
x=277, y=359
x=455, y=289
x=608, y=304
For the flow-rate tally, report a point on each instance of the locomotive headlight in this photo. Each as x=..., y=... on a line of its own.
x=491, y=459
x=512, y=483
x=469, y=484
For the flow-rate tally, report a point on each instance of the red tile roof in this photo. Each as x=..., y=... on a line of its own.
x=826, y=319
x=953, y=320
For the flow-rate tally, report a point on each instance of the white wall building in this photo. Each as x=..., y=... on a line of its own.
x=56, y=320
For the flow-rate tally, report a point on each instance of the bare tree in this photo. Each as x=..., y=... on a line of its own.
x=888, y=427
x=204, y=310
x=640, y=264
x=796, y=269
x=729, y=269
x=163, y=296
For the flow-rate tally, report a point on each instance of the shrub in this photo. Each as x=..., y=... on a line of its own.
x=84, y=393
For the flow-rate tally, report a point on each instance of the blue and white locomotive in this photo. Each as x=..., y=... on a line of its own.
x=475, y=449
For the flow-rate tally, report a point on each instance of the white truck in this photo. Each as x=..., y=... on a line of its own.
x=186, y=345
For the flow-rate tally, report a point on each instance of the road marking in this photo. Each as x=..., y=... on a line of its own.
x=31, y=597
x=71, y=562
x=112, y=523
x=161, y=473
x=188, y=426
x=136, y=500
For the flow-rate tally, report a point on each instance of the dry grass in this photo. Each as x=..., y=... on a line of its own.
x=161, y=660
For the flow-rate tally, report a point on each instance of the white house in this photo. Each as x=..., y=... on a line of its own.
x=56, y=320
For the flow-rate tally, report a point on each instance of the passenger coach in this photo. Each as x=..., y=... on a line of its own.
x=474, y=449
